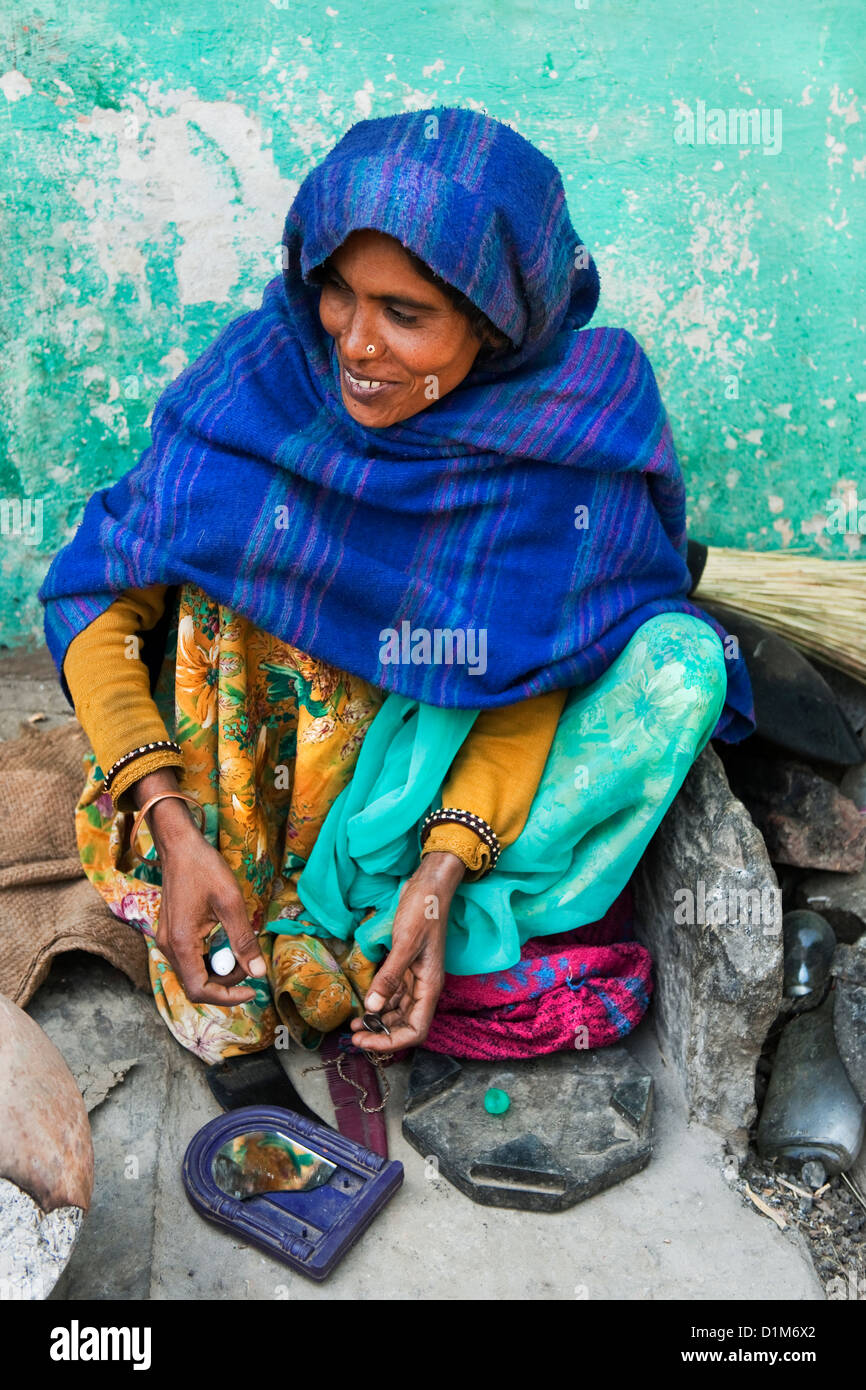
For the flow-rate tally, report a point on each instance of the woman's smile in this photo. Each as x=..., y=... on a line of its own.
x=366, y=389
x=401, y=343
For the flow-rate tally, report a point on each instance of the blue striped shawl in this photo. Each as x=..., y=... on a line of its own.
x=259, y=487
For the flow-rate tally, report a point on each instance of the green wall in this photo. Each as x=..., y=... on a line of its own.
x=148, y=153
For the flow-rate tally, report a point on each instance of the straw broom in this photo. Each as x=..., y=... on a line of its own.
x=818, y=605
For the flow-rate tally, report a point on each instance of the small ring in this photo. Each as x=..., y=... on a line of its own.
x=370, y=347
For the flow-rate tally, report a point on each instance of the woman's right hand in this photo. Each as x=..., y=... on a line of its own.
x=198, y=891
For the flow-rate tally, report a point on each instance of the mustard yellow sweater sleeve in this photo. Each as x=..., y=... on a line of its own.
x=110, y=687
x=496, y=774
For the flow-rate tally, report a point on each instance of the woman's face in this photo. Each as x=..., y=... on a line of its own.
x=422, y=346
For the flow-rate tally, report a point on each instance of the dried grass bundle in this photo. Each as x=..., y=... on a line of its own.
x=819, y=605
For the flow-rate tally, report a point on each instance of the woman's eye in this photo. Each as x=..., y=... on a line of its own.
x=399, y=317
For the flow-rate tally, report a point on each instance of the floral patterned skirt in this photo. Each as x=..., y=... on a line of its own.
x=270, y=737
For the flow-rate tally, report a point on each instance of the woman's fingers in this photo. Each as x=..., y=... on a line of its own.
x=199, y=890
x=407, y=941
x=394, y=1005
x=390, y=980
x=378, y=1042
x=409, y=982
x=408, y=1026
x=199, y=987
x=391, y=1019
x=402, y=1035
x=428, y=987
x=396, y=999
x=245, y=947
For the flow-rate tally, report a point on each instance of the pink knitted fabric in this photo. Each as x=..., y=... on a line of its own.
x=586, y=988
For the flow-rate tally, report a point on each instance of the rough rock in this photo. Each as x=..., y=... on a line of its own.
x=96, y=1079
x=841, y=898
x=708, y=907
x=814, y=1173
x=849, y=1012
x=853, y=785
x=34, y=1245
x=804, y=818
x=45, y=1144
x=93, y=1014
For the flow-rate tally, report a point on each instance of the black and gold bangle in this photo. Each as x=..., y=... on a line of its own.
x=161, y=743
x=452, y=815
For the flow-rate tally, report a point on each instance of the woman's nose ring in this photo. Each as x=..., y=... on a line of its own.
x=370, y=347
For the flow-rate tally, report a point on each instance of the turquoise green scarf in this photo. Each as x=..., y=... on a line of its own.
x=621, y=751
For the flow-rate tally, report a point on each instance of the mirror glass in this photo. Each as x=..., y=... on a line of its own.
x=264, y=1160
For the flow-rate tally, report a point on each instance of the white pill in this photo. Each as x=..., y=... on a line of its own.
x=222, y=962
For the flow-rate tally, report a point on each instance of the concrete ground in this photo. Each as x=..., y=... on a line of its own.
x=677, y=1230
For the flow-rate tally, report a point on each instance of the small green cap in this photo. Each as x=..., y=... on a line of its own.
x=496, y=1102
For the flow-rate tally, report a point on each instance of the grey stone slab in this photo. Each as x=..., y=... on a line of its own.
x=632, y=1099
x=578, y=1123
x=708, y=907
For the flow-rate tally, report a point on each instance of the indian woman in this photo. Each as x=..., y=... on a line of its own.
x=383, y=648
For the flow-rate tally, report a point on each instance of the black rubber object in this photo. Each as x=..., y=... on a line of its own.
x=256, y=1078
x=794, y=706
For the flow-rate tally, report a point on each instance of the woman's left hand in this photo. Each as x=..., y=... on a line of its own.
x=406, y=990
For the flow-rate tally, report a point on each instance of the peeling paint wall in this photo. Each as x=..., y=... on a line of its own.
x=149, y=152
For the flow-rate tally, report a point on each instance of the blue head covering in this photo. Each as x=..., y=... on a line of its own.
x=484, y=208
x=538, y=509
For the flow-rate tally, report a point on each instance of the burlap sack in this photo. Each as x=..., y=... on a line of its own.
x=47, y=905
